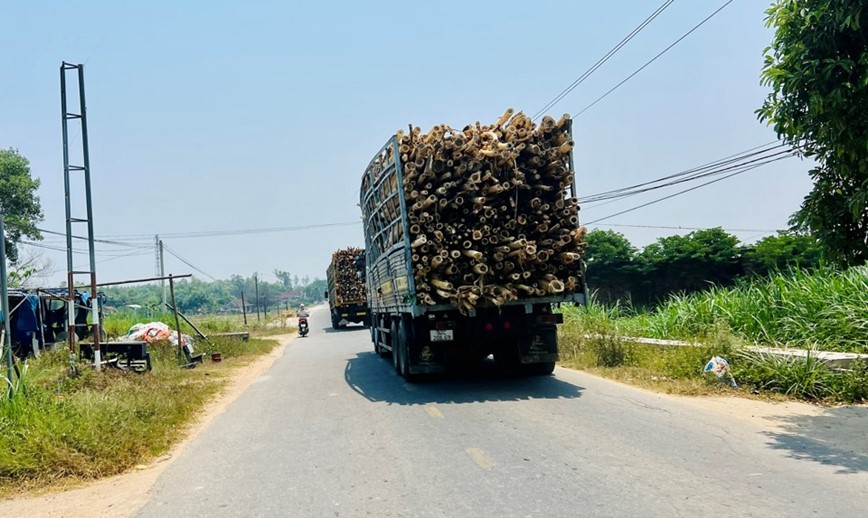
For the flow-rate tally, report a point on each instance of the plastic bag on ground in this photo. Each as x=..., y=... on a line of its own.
x=720, y=368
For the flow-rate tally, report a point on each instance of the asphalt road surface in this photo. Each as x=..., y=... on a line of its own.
x=330, y=430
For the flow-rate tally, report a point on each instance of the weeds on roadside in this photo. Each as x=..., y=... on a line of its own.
x=101, y=423
x=801, y=377
x=824, y=308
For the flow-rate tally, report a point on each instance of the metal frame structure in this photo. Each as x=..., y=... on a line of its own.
x=6, y=345
x=81, y=117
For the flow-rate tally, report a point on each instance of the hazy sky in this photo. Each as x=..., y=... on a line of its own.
x=223, y=116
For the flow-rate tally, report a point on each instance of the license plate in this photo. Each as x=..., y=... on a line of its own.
x=442, y=335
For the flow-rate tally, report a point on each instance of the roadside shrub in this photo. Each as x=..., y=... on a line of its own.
x=611, y=351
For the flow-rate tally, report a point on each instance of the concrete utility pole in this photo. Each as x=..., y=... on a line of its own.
x=256, y=285
x=162, y=273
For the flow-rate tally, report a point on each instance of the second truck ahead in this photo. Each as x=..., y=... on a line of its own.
x=346, y=290
x=471, y=237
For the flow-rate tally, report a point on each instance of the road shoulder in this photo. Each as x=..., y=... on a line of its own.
x=123, y=495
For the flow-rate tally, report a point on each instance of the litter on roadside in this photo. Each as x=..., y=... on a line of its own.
x=720, y=368
x=154, y=332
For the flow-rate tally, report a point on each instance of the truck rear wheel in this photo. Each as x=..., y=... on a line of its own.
x=405, y=339
x=538, y=369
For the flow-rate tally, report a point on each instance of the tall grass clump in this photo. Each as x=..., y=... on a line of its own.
x=801, y=377
x=824, y=308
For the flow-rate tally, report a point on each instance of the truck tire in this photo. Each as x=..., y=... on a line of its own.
x=405, y=338
x=335, y=323
x=538, y=369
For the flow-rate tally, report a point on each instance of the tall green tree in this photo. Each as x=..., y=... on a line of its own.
x=817, y=68
x=18, y=200
x=785, y=250
x=691, y=262
x=612, y=265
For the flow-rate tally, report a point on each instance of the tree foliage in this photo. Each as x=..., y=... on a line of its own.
x=18, y=201
x=616, y=270
x=693, y=261
x=613, y=261
x=221, y=296
x=817, y=68
x=785, y=250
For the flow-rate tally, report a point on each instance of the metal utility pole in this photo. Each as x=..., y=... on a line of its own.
x=244, y=308
x=4, y=307
x=177, y=321
x=84, y=168
x=256, y=285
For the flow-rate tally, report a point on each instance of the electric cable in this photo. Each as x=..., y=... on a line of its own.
x=652, y=60
x=551, y=104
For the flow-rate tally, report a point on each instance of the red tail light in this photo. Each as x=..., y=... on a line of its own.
x=507, y=325
x=489, y=326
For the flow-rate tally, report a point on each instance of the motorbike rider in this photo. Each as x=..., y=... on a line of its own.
x=302, y=313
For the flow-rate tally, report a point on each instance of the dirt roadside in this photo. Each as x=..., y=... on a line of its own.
x=122, y=495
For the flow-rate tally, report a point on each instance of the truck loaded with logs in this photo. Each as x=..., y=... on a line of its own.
x=472, y=236
x=346, y=289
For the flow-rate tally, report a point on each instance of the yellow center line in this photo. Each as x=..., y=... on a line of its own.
x=480, y=458
x=434, y=412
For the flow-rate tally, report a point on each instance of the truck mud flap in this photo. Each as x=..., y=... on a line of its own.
x=541, y=346
x=428, y=358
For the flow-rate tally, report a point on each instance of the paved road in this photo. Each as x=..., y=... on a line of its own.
x=330, y=430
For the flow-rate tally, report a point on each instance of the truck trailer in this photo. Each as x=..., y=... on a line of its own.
x=472, y=239
x=346, y=289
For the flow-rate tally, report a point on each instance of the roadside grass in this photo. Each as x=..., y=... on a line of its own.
x=118, y=323
x=595, y=338
x=823, y=309
x=58, y=431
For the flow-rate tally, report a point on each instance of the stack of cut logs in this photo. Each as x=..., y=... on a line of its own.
x=490, y=211
x=349, y=287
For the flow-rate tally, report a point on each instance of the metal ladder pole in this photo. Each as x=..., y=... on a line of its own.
x=84, y=168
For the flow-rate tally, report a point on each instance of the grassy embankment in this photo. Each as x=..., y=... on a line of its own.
x=58, y=431
x=824, y=310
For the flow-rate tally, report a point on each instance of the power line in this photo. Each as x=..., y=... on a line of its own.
x=188, y=263
x=652, y=60
x=106, y=241
x=551, y=104
x=652, y=202
x=729, y=167
x=131, y=254
x=709, y=166
x=220, y=233
x=104, y=253
x=680, y=227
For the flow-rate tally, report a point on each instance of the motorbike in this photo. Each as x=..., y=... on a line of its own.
x=302, y=326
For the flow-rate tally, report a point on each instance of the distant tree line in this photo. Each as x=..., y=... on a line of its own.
x=618, y=271
x=223, y=296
